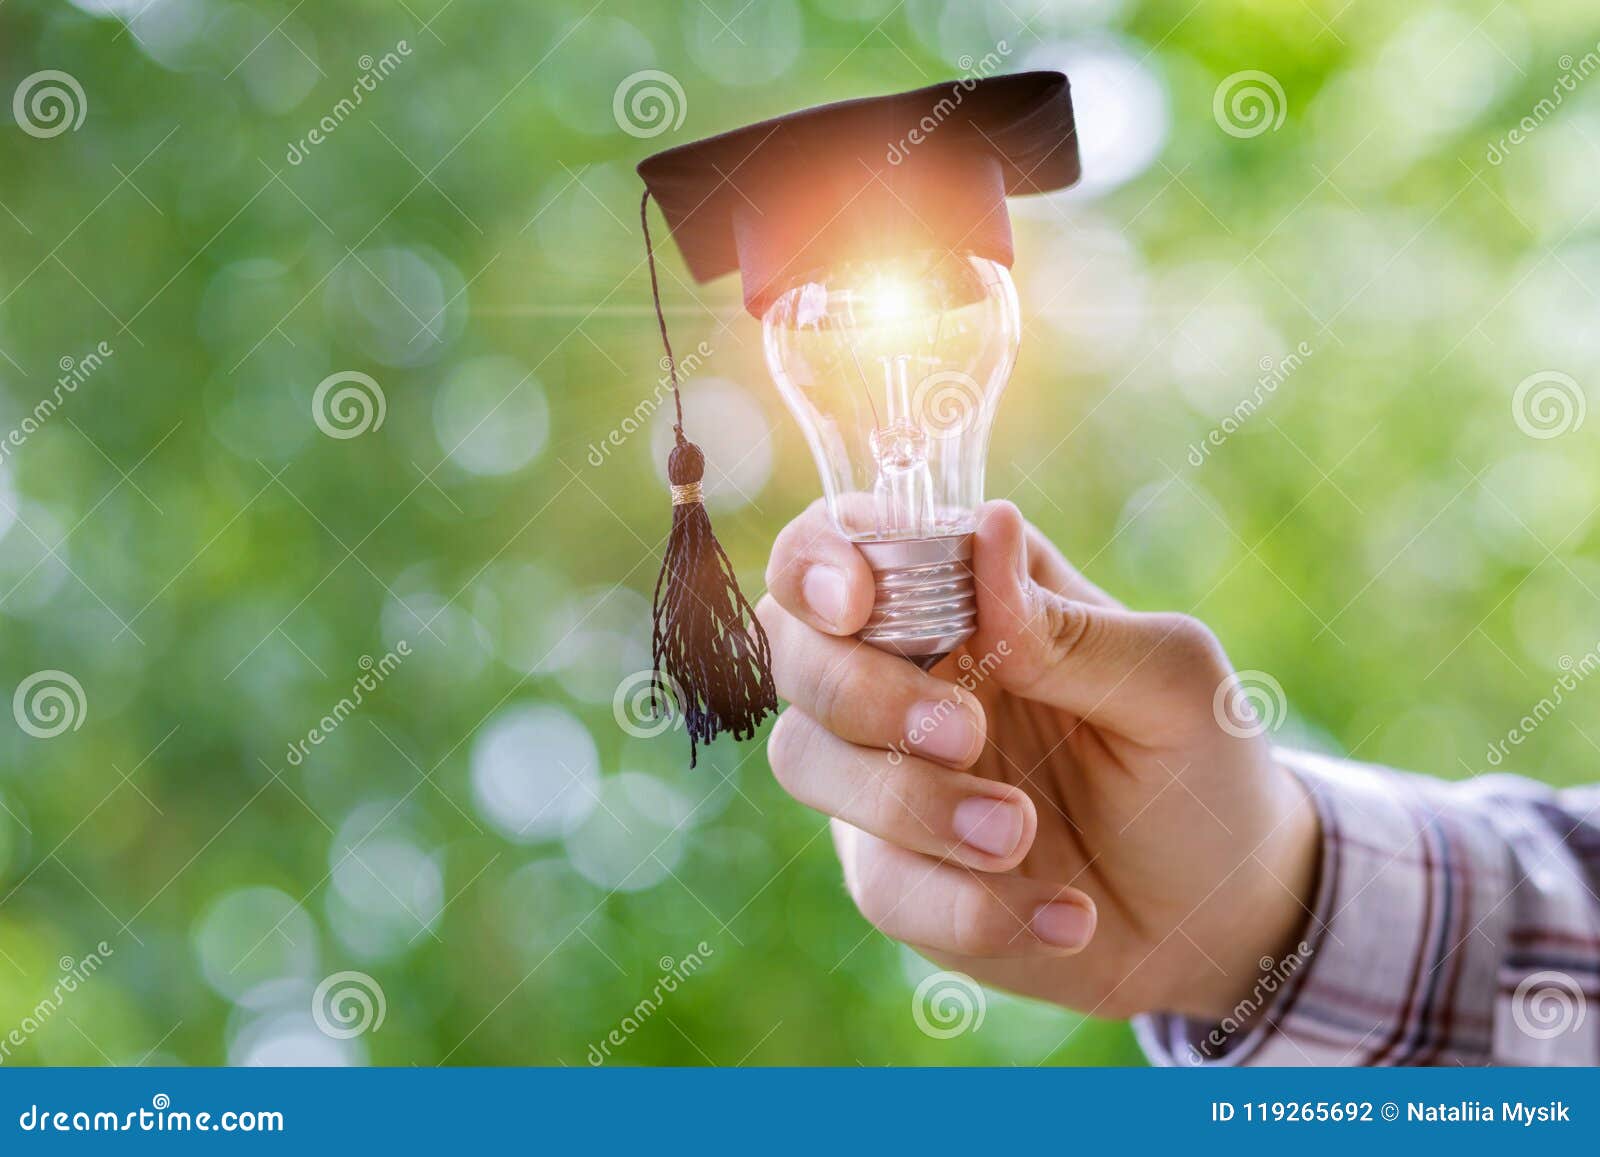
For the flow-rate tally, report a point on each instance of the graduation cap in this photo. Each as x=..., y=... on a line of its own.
x=779, y=200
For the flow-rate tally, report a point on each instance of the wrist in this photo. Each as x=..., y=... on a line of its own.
x=1267, y=915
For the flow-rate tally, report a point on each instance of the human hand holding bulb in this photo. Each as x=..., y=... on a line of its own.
x=1070, y=799
x=1076, y=825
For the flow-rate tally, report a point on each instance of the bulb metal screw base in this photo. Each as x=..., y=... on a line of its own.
x=926, y=604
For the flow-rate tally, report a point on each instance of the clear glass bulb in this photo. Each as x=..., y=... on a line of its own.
x=894, y=370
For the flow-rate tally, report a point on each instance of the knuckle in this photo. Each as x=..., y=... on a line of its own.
x=787, y=746
x=768, y=611
x=801, y=542
x=1188, y=643
x=1118, y=1004
x=877, y=896
x=875, y=906
x=890, y=808
x=780, y=563
x=974, y=930
x=831, y=687
x=1066, y=627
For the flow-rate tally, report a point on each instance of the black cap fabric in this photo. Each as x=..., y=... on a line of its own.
x=928, y=169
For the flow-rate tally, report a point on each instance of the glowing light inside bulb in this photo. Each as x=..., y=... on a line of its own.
x=891, y=300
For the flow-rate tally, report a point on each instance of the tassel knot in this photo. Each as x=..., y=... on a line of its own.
x=686, y=465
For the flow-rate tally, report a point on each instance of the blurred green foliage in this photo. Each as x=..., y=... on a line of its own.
x=182, y=538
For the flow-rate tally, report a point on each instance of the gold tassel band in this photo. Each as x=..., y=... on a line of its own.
x=688, y=495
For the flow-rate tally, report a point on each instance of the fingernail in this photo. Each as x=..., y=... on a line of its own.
x=943, y=730
x=826, y=592
x=990, y=825
x=1063, y=924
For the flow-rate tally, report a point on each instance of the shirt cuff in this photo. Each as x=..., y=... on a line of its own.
x=1377, y=978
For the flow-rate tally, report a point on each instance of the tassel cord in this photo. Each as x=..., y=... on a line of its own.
x=661, y=317
x=710, y=652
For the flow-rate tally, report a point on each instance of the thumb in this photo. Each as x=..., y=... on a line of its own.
x=1150, y=677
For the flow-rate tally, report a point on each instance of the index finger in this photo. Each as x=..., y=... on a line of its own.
x=818, y=576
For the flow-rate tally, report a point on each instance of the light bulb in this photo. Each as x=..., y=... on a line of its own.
x=894, y=369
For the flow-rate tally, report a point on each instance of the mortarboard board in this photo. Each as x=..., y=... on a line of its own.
x=881, y=176
x=929, y=169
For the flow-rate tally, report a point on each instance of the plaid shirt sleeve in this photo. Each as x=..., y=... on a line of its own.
x=1455, y=923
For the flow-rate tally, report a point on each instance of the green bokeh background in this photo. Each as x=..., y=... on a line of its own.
x=1383, y=535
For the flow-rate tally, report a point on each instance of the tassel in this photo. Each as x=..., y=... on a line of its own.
x=710, y=650
x=711, y=654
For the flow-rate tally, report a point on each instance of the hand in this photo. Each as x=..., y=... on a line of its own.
x=1069, y=819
